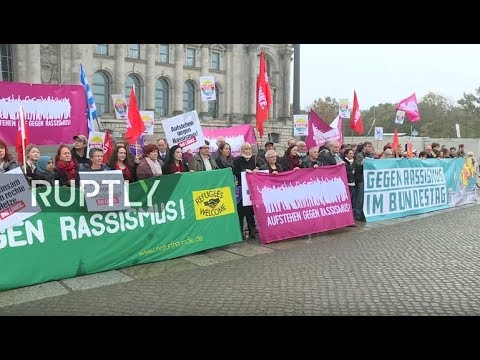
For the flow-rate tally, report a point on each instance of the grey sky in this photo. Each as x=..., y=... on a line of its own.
x=387, y=73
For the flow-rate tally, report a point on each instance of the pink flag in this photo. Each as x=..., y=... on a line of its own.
x=319, y=131
x=410, y=106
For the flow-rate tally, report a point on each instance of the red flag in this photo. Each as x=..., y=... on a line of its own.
x=395, y=142
x=264, y=98
x=107, y=147
x=356, y=122
x=135, y=125
x=22, y=134
x=410, y=149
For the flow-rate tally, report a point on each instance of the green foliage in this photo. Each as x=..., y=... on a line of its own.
x=438, y=116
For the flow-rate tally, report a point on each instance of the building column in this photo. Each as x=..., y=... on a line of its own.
x=76, y=60
x=252, y=108
x=150, y=77
x=178, y=87
x=287, y=60
x=119, y=69
x=237, y=79
x=33, y=64
x=20, y=51
x=204, y=72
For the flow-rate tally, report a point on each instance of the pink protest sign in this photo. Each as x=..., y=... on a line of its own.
x=300, y=202
x=53, y=113
x=235, y=136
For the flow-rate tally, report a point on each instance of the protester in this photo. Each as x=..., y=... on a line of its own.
x=118, y=161
x=175, y=163
x=203, y=161
x=46, y=171
x=225, y=158
x=79, y=150
x=149, y=166
x=6, y=159
x=32, y=154
x=66, y=167
x=96, y=161
x=272, y=165
x=162, y=149
x=245, y=162
x=290, y=159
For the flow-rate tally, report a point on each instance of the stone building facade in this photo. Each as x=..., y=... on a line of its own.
x=166, y=78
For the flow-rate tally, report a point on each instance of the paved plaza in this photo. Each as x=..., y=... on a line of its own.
x=419, y=265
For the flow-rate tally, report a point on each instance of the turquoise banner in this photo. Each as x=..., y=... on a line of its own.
x=400, y=187
x=188, y=213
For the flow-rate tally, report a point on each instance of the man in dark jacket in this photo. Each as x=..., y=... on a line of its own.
x=367, y=152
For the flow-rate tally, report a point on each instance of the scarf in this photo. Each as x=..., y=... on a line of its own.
x=70, y=168
x=226, y=162
x=42, y=166
x=154, y=166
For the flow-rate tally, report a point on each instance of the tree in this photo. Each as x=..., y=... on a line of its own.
x=470, y=102
x=327, y=109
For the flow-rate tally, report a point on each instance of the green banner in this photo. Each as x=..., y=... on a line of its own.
x=188, y=213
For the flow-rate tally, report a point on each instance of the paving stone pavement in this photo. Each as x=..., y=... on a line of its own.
x=420, y=265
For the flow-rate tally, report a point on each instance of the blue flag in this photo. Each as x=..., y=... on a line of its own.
x=91, y=107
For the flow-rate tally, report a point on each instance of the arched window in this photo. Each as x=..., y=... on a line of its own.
x=6, y=63
x=161, y=97
x=213, y=105
x=133, y=80
x=101, y=92
x=188, y=96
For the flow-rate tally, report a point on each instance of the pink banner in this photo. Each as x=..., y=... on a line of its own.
x=53, y=113
x=319, y=131
x=300, y=202
x=235, y=136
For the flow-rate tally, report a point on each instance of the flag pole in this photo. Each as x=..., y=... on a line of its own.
x=22, y=130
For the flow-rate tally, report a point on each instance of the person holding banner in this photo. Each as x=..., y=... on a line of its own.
x=175, y=163
x=245, y=162
x=6, y=159
x=272, y=165
x=96, y=158
x=46, y=171
x=65, y=166
x=225, y=158
x=118, y=161
x=149, y=166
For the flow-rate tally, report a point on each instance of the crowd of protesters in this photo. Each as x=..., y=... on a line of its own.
x=158, y=159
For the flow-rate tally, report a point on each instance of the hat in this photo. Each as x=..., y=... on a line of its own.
x=269, y=143
x=81, y=137
x=470, y=153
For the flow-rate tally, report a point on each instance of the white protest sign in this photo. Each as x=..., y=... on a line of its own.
x=120, y=105
x=148, y=118
x=184, y=130
x=103, y=190
x=245, y=190
x=207, y=88
x=300, y=125
x=343, y=111
x=378, y=132
x=96, y=139
x=15, y=199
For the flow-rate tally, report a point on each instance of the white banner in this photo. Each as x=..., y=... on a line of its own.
x=103, y=190
x=300, y=125
x=120, y=105
x=378, y=133
x=207, y=88
x=15, y=200
x=246, y=200
x=184, y=130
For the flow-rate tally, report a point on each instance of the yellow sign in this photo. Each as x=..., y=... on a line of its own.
x=212, y=203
